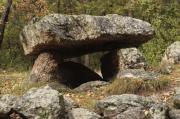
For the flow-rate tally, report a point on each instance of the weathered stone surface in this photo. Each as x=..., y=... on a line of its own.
x=176, y=100
x=132, y=113
x=130, y=106
x=75, y=35
x=177, y=90
x=172, y=54
x=113, y=105
x=41, y=103
x=7, y=102
x=46, y=68
x=69, y=104
x=174, y=114
x=132, y=58
x=74, y=74
x=91, y=86
x=80, y=113
x=59, y=86
x=138, y=74
x=159, y=111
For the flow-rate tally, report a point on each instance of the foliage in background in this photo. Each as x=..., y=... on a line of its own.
x=11, y=53
x=164, y=15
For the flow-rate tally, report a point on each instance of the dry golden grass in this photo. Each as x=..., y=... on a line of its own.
x=12, y=82
x=127, y=85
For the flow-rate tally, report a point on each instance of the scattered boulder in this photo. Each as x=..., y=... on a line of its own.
x=130, y=106
x=80, y=113
x=7, y=102
x=138, y=74
x=37, y=103
x=74, y=74
x=174, y=114
x=114, y=105
x=91, y=86
x=41, y=103
x=75, y=35
x=69, y=104
x=172, y=53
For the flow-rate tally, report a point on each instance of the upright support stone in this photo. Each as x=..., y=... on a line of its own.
x=115, y=62
x=109, y=65
x=50, y=67
x=46, y=67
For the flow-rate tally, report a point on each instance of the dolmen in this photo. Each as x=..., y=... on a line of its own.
x=57, y=37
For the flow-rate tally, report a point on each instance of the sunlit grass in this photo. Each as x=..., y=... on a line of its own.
x=134, y=86
x=14, y=83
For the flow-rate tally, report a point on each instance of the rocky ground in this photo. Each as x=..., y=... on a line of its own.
x=89, y=95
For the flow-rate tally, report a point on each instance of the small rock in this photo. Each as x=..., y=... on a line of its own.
x=116, y=104
x=176, y=98
x=138, y=74
x=80, y=113
x=132, y=113
x=59, y=87
x=41, y=103
x=177, y=90
x=69, y=104
x=174, y=114
x=91, y=86
x=172, y=53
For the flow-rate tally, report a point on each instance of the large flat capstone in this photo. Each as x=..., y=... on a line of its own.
x=75, y=35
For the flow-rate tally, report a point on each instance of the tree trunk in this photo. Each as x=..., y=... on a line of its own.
x=4, y=20
x=58, y=6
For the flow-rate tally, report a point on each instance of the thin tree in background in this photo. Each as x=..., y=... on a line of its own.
x=4, y=20
x=58, y=6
